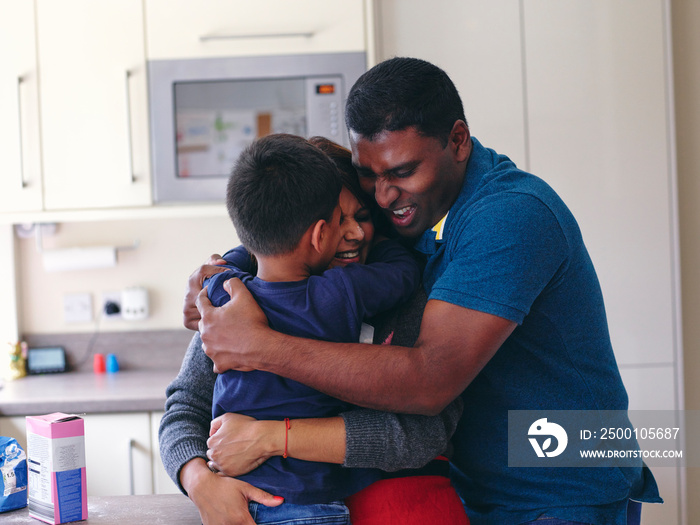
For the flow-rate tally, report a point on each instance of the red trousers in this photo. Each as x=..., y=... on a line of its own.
x=412, y=500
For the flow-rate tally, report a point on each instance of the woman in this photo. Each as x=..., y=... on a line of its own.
x=238, y=444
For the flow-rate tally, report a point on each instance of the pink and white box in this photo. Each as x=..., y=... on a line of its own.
x=57, y=490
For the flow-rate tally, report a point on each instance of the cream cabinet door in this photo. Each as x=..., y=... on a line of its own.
x=162, y=484
x=15, y=427
x=599, y=104
x=20, y=176
x=478, y=45
x=598, y=117
x=211, y=28
x=118, y=454
x=93, y=103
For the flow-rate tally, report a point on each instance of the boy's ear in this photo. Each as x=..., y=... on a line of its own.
x=318, y=235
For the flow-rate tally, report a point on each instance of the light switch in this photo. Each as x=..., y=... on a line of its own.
x=77, y=308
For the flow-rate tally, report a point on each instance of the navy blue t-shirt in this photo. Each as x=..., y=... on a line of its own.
x=331, y=307
x=511, y=248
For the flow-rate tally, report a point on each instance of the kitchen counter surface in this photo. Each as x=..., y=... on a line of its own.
x=172, y=509
x=86, y=392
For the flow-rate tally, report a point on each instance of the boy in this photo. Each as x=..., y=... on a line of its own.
x=283, y=200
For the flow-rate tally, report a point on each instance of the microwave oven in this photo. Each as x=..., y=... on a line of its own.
x=205, y=111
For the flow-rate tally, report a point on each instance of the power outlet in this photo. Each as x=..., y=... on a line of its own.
x=134, y=303
x=111, y=305
x=77, y=308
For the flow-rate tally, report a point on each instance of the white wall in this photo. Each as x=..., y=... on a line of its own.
x=8, y=287
x=169, y=250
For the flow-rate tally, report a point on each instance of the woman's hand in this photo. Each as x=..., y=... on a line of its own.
x=239, y=444
x=222, y=500
x=194, y=286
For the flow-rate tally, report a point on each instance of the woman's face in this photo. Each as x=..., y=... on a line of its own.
x=356, y=219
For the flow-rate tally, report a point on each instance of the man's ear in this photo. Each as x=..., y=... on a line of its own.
x=318, y=235
x=460, y=140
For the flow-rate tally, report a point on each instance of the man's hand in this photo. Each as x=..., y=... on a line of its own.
x=194, y=286
x=239, y=444
x=222, y=500
x=232, y=334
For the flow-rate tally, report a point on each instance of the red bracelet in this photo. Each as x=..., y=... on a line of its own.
x=287, y=426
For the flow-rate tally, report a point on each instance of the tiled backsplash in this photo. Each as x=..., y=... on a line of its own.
x=138, y=350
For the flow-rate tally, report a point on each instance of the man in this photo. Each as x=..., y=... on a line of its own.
x=515, y=318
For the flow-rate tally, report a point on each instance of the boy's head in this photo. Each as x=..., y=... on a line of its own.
x=280, y=186
x=400, y=93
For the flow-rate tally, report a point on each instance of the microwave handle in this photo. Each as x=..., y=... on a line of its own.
x=129, y=138
x=20, y=80
x=300, y=34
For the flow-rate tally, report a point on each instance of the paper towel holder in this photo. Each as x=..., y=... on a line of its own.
x=79, y=258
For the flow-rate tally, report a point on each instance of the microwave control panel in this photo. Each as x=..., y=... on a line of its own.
x=324, y=104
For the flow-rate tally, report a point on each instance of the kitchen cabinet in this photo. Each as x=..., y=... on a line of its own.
x=73, y=101
x=598, y=103
x=478, y=45
x=579, y=94
x=14, y=427
x=94, y=113
x=162, y=484
x=121, y=452
x=118, y=454
x=73, y=93
x=600, y=127
x=210, y=28
x=20, y=177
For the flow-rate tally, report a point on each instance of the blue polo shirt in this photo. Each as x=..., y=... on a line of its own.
x=510, y=247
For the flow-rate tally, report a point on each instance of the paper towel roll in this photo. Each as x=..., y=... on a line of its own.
x=79, y=258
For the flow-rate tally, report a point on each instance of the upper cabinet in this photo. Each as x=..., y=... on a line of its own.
x=478, y=44
x=94, y=110
x=20, y=177
x=211, y=28
x=74, y=90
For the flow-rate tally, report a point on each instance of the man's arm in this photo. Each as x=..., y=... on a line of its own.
x=454, y=344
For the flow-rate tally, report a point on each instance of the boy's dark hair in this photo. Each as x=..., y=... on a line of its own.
x=400, y=93
x=280, y=186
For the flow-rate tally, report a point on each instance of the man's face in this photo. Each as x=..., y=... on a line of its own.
x=414, y=178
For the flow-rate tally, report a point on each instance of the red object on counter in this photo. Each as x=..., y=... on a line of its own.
x=98, y=364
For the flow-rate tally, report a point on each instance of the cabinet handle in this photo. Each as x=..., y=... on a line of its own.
x=130, y=145
x=132, y=445
x=23, y=182
x=208, y=38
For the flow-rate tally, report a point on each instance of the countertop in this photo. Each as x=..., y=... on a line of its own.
x=86, y=392
x=171, y=509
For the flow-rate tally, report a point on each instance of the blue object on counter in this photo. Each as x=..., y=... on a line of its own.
x=13, y=481
x=112, y=363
